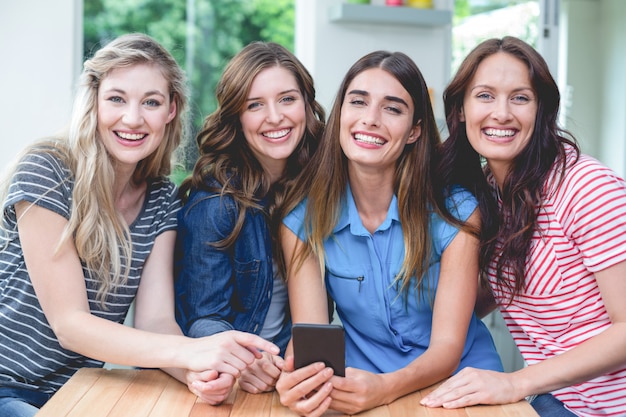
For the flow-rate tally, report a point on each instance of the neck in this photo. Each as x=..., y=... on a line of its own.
x=372, y=195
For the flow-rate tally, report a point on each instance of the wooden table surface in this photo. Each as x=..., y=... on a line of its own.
x=96, y=392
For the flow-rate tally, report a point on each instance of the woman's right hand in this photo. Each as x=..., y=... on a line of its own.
x=228, y=352
x=209, y=386
x=305, y=391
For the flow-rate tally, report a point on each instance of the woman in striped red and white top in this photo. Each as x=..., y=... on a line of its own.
x=553, y=239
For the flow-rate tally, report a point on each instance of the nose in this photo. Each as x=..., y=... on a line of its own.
x=371, y=117
x=274, y=114
x=502, y=110
x=132, y=116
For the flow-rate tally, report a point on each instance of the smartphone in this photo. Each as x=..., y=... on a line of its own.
x=319, y=343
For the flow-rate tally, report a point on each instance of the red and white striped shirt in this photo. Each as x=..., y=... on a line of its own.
x=581, y=230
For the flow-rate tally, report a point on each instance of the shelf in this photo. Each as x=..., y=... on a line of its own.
x=396, y=15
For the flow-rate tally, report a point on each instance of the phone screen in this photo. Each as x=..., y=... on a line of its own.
x=319, y=343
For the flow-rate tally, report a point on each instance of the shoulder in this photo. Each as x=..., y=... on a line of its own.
x=460, y=202
x=209, y=208
x=585, y=178
x=43, y=160
x=297, y=214
x=41, y=176
x=294, y=220
x=163, y=186
x=209, y=199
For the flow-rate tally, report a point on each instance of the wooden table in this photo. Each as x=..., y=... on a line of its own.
x=96, y=392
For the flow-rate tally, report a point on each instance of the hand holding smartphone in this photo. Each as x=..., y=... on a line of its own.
x=319, y=343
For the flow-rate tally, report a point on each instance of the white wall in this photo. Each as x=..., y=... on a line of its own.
x=328, y=48
x=596, y=68
x=613, y=90
x=40, y=49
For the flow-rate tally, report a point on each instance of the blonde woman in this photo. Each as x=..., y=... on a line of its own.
x=88, y=226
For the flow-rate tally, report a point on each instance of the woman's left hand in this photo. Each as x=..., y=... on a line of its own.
x=474, y=386
x=262, y=375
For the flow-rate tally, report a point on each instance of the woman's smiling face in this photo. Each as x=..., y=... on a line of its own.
x=499, y=111
x=376, y=120
x=134, y=108
x=274, y=118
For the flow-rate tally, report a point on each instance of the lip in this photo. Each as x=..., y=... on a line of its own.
x=500, y=135
x=277, y=135
x=368, y=140
x=128, y=140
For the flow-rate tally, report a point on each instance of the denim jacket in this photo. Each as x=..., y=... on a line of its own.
x=223, y=289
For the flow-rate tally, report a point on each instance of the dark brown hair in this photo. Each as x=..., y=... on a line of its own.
x=508, y=229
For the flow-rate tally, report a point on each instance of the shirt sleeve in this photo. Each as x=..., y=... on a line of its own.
x=40, y=178
x=295, y=220
x=591, y=204
x=461, y=204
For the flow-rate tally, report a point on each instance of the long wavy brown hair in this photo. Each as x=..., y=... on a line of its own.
x=226, y=164
x=506, y=232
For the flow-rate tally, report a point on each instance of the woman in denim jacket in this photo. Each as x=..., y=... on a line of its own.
x=264, y=130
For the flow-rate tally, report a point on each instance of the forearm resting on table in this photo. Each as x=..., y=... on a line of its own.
x=602, y=354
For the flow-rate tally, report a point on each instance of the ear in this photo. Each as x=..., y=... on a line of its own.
x=415, y=133
x=461, y=115
x=172, y=112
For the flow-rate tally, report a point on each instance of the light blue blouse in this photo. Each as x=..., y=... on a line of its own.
x=385, y=330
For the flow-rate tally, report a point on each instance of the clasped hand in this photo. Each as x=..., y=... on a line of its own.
x=313, y=389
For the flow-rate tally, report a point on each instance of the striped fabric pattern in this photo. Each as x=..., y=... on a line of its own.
x=582, y=229
x=30, y=354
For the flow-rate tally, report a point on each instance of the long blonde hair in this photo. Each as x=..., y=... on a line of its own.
x=100, y=234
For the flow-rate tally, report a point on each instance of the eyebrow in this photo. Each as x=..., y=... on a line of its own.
x=388, y=98
x=147, y=93
x=291, y=90
x=491, y=87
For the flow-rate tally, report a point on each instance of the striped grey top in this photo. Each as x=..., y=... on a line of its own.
x=30, y=354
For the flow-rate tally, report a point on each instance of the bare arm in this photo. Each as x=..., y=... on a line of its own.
x=307, y=293
x=60, y=287
x=601, y=354
x=597, y=356
x=306, y=390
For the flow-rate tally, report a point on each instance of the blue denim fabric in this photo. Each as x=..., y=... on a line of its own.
x=223, y=289
x=16, y=402
x=546, y=405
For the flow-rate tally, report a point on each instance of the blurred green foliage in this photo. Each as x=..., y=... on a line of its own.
x=201, y=34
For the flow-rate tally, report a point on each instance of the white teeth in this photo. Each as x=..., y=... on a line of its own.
x=499, y=132
x=131, y=136
x=277, y=133
x=368, y=139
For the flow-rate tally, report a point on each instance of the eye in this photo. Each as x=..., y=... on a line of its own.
x=484, y=96
x=520, y=98
x=356, y=101
x=393, y=109
x=152, y=102
x=288, y=99
x=115, y=99
x=253, y=105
